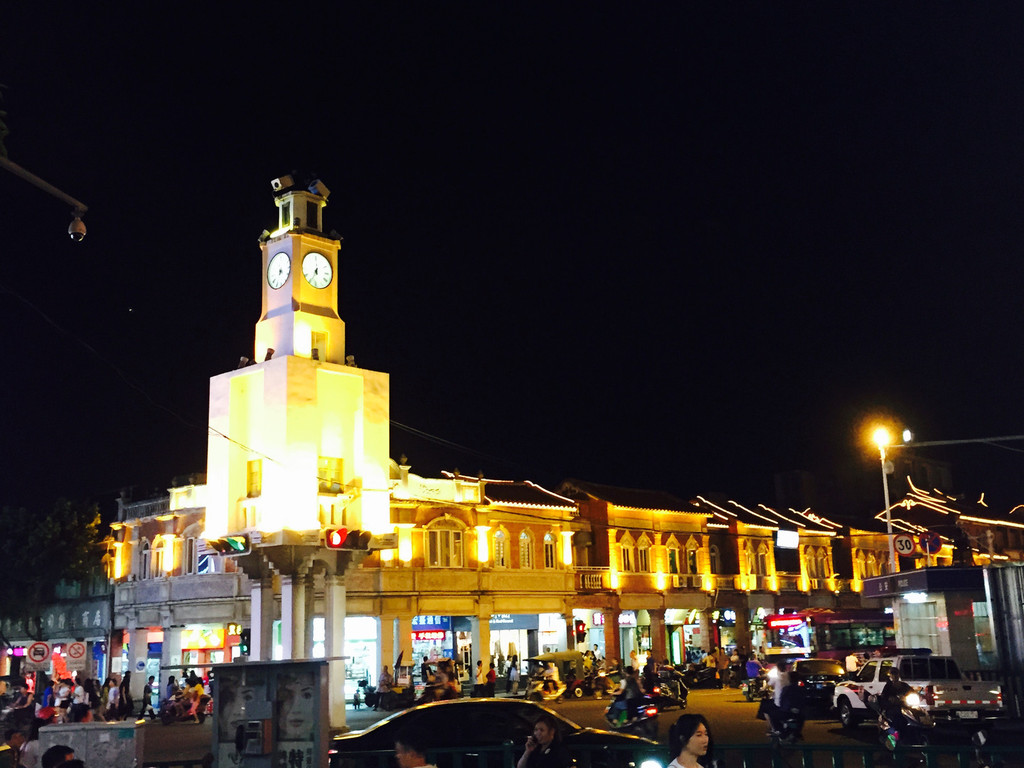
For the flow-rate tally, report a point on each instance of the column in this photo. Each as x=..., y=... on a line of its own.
x=405, y=640
x=262, y=619
x=334, y=620
x=570, y=632
x=287, y=616
x=170, y=656
x=612, y=646
x=386, y=641
x=309, y=611
x=658, y=644
x=139, y=642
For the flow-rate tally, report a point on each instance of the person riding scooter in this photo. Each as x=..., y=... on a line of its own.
x=628, y=697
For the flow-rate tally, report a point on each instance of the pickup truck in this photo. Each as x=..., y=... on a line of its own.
x=944, y=692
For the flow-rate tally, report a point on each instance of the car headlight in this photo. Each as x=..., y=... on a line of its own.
x=912, y=700
x=650, y=763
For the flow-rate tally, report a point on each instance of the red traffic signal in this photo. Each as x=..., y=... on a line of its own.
x=334, y=538
x=581, y=630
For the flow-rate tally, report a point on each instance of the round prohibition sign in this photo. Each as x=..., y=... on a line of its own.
x=38, y=652
x=931, y=542
x=76, y=651
x=904, y=544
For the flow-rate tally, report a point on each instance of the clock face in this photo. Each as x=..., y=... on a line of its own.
x=317, y=270
x=278, y=269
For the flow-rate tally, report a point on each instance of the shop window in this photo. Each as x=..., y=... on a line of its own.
x=549, y=551
x=144, y=559
x=254, y=478
x=714, y=559
x=444, y=545
x=500, y=549
x=525, y=550
x=329, y=473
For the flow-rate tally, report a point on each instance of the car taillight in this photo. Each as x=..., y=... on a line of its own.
x=657, y=689
x=651, y=711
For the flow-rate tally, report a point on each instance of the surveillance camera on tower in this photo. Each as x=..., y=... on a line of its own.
x=77, y=229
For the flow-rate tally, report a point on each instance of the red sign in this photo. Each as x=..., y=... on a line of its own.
x=785, y=622
x=76, y=650
x=427, y=634
x=38, y=652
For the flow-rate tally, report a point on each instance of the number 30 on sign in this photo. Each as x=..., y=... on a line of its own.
x=904, y=544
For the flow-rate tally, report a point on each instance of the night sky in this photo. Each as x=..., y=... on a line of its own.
x=662, y=249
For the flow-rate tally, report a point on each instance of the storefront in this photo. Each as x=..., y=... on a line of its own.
x=432, y=637
x=723, y=628
x=510, y=637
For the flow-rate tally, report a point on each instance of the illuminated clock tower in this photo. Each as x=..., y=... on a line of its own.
x=298, y=437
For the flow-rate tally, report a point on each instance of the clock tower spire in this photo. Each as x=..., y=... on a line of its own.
x=300, y=270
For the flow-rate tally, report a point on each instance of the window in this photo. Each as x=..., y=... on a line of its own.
x=673, y=559
x=328, y=472
x=525, y=550
x=549, y=551
x=691, y=560
x=500, y=549
x=318, y=346
x=144, y=564
x=627, y=557
x=714, y=559
x=444, y=545
x=190, y=565
x=643, y=556
x=824, y=572
x=254, y=478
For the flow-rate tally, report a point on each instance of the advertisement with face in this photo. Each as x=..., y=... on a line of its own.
x=297, y=713
x=238, y=694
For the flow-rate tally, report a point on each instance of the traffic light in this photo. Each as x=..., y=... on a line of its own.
x=244, y=639
x=343, y=538
x=236, y=544
x=581, y=630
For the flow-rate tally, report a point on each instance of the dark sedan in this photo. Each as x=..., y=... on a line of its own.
x=820, y=677
x=475, y=726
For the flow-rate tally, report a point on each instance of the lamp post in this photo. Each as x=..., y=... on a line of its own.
x=882, y=441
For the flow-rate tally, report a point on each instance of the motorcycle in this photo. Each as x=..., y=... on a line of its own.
x=588, y=685
x=670, y=692
x=701, y=677
x=539, y=690
x=753, y=687
x=909, y=725
x=641, y=721
x=182, y=710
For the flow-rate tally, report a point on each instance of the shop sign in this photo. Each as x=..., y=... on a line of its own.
x=429, y=634
x=198, y=639
x=626, y=619
x=432, y=622
x=514, y=621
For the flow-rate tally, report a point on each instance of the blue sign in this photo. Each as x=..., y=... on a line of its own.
x=930, y=542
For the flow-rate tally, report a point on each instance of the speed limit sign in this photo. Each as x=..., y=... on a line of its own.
x=904, y=544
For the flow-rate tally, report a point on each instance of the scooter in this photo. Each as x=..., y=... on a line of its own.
x=753, y=687
x=701, y=677
x=180, y=710
x=910, y=725
x=669, y=695
x=588, y=685
x=540, y=691
x=641, y=721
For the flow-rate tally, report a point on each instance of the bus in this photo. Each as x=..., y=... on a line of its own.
x=824, y=633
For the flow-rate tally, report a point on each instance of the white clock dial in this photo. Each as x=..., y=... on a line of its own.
x=317, y=270
x=278, y=269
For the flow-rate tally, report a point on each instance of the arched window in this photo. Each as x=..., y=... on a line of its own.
x=500, y=542
x=549, y=551
x=714, y=559
x=628, y=549
x=444, y=544
x=144, y=559
x=643, y=555
x=673, y=558
x=859, y=566
x=762, y=561
x=823, y=570
x=811, y=563
x=525, y=549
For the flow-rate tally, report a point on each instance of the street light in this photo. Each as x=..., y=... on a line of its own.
x=882, y=441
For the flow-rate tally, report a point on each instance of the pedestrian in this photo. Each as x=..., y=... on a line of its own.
x=125, y=705
x=513, y=677
x=172, y=689
x=481, y=679
x=426, y=673
x=113, y=701
x=690, y=743
x=384, y=683
x=30, y=752
x=852, y=662
x=544, y=749
x=57, y=755
x=15, y=739
x=23, y=709
x=411, y=749
x=492, y=678
x=146, y=706
x=721, y=666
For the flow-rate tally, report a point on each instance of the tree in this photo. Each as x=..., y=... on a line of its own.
x=39, y=551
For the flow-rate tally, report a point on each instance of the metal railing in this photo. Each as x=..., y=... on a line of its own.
x=761, y=755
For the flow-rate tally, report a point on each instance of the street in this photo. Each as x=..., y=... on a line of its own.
x=731, y=716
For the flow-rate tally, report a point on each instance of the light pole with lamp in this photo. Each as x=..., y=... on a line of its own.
x=882, y=441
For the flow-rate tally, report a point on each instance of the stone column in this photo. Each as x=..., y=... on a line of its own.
x=262, y=619
x=288, y=616
x=170, y=655
x=612, y=646
x=386, y=642
x=309, y=611
x=404, y=640
x=658, y=644
x=481, y=626
x=139, y=641
x=334, y=620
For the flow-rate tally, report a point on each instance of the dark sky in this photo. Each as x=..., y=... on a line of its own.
x=657, y=248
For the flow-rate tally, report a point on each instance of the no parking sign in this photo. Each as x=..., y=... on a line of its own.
x=76, y=657
x=931, y=542
x=37, y=656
